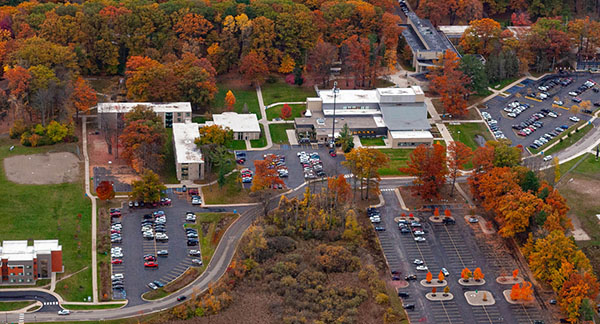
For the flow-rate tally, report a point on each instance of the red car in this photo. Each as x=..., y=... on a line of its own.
x=151, y=264
x=116, y=261
x=149, y=258
x=332, y=153
x=113, y=231
x=115, y=212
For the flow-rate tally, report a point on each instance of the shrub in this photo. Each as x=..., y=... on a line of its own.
x=382, y=299
x=25, y=139
x=18, y=128
x=57, y=132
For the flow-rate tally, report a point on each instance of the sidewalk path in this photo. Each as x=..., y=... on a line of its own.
x=263, y=121
x=435, y=117
x=93, y=199
x=283, y=103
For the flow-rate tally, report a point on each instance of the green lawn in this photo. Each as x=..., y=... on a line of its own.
x=261, y=141
x=237, y=145
x=274, y=112
x=500, y=85
x=283, y=92
x=377, y=141
x=210, y=222
x=41, y=212
x=278, y=133
x=76, y=288
x=577, y=136
x=572, y=139
x=398, y=159
x=85, y=307
x=9, y=306
x=231, y=193
x=242, y=95
x=168, y=173
x=468, y=132
x=588, y=167
x=199, y=119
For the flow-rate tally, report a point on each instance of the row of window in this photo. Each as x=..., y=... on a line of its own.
x=20, y=280
x=20, y=274
x=356, y=107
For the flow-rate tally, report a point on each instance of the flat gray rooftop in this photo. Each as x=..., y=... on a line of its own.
x=432, y=38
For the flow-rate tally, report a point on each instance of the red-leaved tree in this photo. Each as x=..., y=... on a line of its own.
x=286, y=111
x=428, y=165
x=105, y=190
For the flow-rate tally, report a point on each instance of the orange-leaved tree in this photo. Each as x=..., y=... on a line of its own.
x=458, y=155
x=105, y=190
x=286, y=112
x=436, y=212
x=143, y=143
x=514, y=210
x=84, y=97
x=481, y=37
x=428, y=166
x=339, y=189
x=449, y=82
x=253, y=67
x=466, y=274
x=494, y=184
x=264, y=181
x=428, y=277
x=229, y=100
x=477, y=274
x=578, y=287
x=441, y=277
x=447, y=213
x=515, y=292
x=515, y=273
x=364, y=163
x=433, y=290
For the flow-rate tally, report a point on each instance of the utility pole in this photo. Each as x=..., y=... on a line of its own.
x=335, y=92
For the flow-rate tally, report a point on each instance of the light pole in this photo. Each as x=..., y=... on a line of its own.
x=335, y=92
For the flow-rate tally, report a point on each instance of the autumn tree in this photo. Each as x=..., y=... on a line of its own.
x=428, y=165
x=264, y=182
x=466, y=274
x=149, y=189
x=253, y=68
x=513, y=211
x=286, y=112
x=18, y=83
x=287, y=65
x=449, y=82
x=428, y=277
x=441, y=277
x=515, y=292
x=105, y=190
x=253, y=241
x=352, y=231
x=83, y=97
x=192, y=30
x=320, y=61
x=364, y=164
x=211, y=142
x=458, y=155
x=229, y=100
x=340, y=190
x=481, y=37
x=143, y=143
x=579, y=286
x=477, y=274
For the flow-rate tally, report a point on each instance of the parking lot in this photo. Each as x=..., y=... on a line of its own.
x=134, y=246
x=529, y=96
x=331, y=165
x=453, y=247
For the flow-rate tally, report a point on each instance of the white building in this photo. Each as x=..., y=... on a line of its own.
x=400, y=114
x=171, y=112
x=188, y=158
x=244, y=126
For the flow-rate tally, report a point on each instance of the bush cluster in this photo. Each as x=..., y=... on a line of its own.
x=39, y=135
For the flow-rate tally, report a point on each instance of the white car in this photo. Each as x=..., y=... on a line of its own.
x=116, y=255
x=558, y=102
x=152, y=286
x=375, y=219
x=197, y=262
x=420, y=239
x=574, y=94
x=64, y=312
x=418, y=262
x=117, y=276
x=190, y=218
x=422, y=268
x=547, y=158
x=419, y=233
x=553, y=115
x=574, y=119
x=512, y=115
x=542, y=88
x=473, y=220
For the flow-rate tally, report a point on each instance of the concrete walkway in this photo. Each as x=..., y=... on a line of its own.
x=93, y=199
x=263, y=121
x=438, y=121
x=283, y=103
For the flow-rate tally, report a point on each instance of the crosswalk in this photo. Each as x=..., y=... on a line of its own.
x=21, y=318
x=50, y=303
x=387, y=189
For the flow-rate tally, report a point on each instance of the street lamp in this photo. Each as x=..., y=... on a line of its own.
x=335, y=90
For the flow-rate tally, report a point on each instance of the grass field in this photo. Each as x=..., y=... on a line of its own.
x=278, y=133
x=242, y=95
x=398, y=159
x=237, y=145
x=39, y=212
x=283, y=92
x=9, y=306
x=85, y=307
x=575, y=137
x=274, y=112
x=168, y=173
x=377, y=141
x=468, y=132
x=500, y=85
x=231, y=193
x=262, y=141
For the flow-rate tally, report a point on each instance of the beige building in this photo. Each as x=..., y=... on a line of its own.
x=171, y=112
x=21, y=263
x=188, y=158
x=244, y=126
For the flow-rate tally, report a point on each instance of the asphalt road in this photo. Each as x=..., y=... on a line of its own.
x=49, y=302
x=497, y=104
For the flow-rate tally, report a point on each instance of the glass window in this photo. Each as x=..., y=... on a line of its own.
x=187, y=114
x=12, y=280
x=29, y=280
x=28, y=267
x=178, y=114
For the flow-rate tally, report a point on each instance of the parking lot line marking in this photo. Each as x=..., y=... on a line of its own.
x=447, y=316
x=531, y=98
x=455, y=249
x=487, y=314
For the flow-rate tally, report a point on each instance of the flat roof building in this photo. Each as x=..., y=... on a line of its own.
x=244, y=126
x=398, y=113
x=189, y=162
x=425, y=41
x=21, y=263
x=169, y=112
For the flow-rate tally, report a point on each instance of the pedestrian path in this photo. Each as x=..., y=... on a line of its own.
x=21, y=318
x=50, y=303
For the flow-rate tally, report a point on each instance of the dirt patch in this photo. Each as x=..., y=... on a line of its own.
x=417, y=202
x=46, y=168
x=106, y=166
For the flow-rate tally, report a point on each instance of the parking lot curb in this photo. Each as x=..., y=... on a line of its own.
x=399, y=196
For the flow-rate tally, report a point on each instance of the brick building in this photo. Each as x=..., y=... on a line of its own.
x=21, y=263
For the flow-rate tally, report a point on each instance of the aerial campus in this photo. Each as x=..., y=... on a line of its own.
x=402, y=161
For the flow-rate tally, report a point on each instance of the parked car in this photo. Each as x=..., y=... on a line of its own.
x=379, y=228
x=410, y=277
x=158, y=283
x=409, y=306
x=197, y=262
x=192, y=242
x=403, y=294
x=196, y=200
x=64, y=312
x=574, y=119
x=150, y=264
x=420, y=239
x=445, y=272
x=115, y=212
x=547, y=158
x=418, y=262
x=473, y=220
x=194, y=253
x=116, y=261
x=162, y=253
x=422, y=268
x=152, y=286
